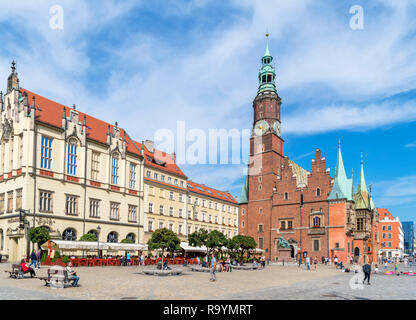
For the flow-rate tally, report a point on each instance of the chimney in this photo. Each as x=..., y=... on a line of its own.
x=149, y=144
x=174, y=157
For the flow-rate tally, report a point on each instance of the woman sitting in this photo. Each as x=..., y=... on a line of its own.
x=24, y=266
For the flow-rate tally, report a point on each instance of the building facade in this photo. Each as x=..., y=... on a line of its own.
x=409, y=237
x=391, y=235
x=74, y=174
x=280, y=198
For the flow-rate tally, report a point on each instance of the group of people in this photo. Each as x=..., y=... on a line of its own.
x=315, y=261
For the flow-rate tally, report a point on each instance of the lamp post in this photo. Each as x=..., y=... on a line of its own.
x=98, y=241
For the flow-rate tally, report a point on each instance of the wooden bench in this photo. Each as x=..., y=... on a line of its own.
x=53, y=278
x=16, y=272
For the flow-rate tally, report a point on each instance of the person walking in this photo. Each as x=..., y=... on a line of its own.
x=336, y=261
x=128, y=258
x=315, y=262
x=142, y=259
x=213, y=268
x=308, y=263
x=323, y=260
x=367, y=272
x=33, y=258
x=38, y=257
x=300, y=261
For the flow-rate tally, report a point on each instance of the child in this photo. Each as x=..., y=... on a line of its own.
x=376, y=268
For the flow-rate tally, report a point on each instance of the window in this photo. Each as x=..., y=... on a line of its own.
x=176, y=181
x=337, y=245
x=1, y=203
x=71, y=205
x=196, y=201
x=114, y=168
x=384, y=228
x=155, y=176
x=71, y=167
x=286, y=196
x=94, y=208
x=150, y=225
x=45, y=153
x=69, y=235
x=203, y=217
x=260, y=243
x=181, y=183
x=360, y=224
x=204, y=203
x=181, y=197
x=169, y=179
x=389, y=227
x=162, y=177
x=148, y=174
x=95, y=165
x=210, y=204
x=132, y=217
x=180, y=213
x=316, y=222
x=171, y=195
x=243, y=211
x=229, y=221
x=235, y=222
x=20, y=151
x=132, y=176
x=260, y=210
x=189, y=229
x=242, y=224
x=216, y=206
x=389, y=244
x=389, y=235
x=150, y=207
x=283, y=225
x=315, y=244
x=210, y=218
x=290, y=224
x=114, y=211
x=171, y=211
x=171, y=226
x=131, y=237
x=196, y=215
x=260, y=228
x=161, y=209
x=10, y=201
x=112, y=237
x=223, y=208
x=383, y=244
x=161, y=225
x=259, y=187
x=216, y=219
x=45, y=201
x=384, y=235
x=189, y=214
x=18, y=199
x=180, y=229
x=260, y=179
x=318, y=192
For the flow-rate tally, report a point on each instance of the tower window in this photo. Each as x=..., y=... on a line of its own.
x=286, y=197
x=269, y=78
x=261, y=114
x=318, y=192
x=263, y=79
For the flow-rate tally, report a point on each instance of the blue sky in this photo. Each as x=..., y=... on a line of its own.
x=148, y=64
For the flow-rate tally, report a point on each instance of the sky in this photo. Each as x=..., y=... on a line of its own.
x=149, y=64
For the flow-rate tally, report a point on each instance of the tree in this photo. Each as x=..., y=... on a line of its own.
x=127, y=240
x=233, y=246
x=164, y=239
x=39, y=235
x=88, y=237
x=215, y=240
x=244, y=243
x=198, y=238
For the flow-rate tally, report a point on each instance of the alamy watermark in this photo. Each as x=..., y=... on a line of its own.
x=56, y=22
x=357, y=20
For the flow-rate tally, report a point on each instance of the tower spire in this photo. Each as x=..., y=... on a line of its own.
x=342, y=186
x=267, y=73
x=13, y=80
x=361, y=185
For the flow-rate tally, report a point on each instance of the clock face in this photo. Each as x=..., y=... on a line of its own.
x=261, y=127
x=277, y=128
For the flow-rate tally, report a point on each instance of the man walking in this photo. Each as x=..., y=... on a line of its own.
x=33, y=258
x=367, y=271
x=38, y=257
x=308, y=263
x=213, y=268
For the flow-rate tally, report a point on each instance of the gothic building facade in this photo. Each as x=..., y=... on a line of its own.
x=280, y=198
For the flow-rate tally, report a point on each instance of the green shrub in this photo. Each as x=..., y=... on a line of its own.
x=65, y=259
x=56, y=255
x=43, y=258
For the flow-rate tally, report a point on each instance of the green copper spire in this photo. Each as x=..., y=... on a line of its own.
x=342, y=188
x=244, y=192
x=361, y=197
x=267, y=74
x=361, y=185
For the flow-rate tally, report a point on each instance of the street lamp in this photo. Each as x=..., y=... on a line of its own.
x=98, y=242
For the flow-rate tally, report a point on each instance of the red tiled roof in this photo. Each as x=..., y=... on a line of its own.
x=166, y=162
x=202, y=189
x=51, y=113
x=384, y=213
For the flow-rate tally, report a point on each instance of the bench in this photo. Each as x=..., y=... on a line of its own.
x=57, y=278
x=16, y=272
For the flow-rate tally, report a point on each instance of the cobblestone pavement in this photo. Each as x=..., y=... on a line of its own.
x=382, y=287
x=274, y=282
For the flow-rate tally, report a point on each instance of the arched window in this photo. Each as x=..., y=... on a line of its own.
x=131, y=236
x=69, y=235
x=286, y=196
x=93, y=232
x=318, y=192
x=114, y=168
x=112, y=237
x=71, y=167
x=316, y=221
